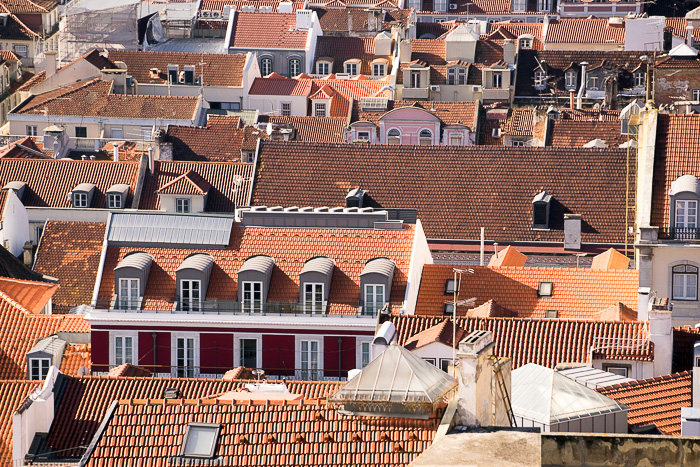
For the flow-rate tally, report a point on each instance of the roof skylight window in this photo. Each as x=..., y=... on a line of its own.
x=200, y=440
x=545, y=289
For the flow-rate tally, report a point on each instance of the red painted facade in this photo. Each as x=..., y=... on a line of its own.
x=343, y=353
x=100, y=350
x=216, y=353
x=161, y=349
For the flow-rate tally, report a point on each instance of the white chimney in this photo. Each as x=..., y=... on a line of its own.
x=509, y=51
x=572, y=231
x=383, y=338
x=661, y=330
x=582, y=89
x=304, y=19
x=643, y=305
x=689, y=35
x=116, y=152
x=151, y=151
x=50, y=63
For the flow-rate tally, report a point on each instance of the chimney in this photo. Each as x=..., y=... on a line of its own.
x=643, y=304
x=115, y=151
x=572, y=231
x=28, y=255
x=582, y=89
x=509, y=51
x=383, y=338
x=151, y=151
x=661, y=330
x=50, y=63
x=83, y=157
x=478, y=400
x=405, y=51
x=572, y=102
x=304, y=19
x=92, y=158
x=382, y=44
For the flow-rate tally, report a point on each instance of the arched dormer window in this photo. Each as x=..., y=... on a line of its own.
x=394, y=136
x=425, y=137
x=683, y=218
x=266, y=65
x=352, y=67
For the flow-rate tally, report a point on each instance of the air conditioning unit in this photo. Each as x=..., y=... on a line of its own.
x=475, y=89
x=453, y=6
x=496, y=132
x=435, y=88
x=216, y=14
x=205, y=14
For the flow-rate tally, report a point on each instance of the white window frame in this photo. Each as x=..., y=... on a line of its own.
x=32, y=130
x=40, y=376
x=237, y=348
x=286, y=109
x=313, y=306
x=593, y=83
x=683, y=219
x=132, y=301
x=173, y=354
x=696, y=94
x=570, y=79
x=21, y=50
x=393, y=139
x=320, y=109
x=351, y=68
x=114, y=200
x=458, y=136
x=640, y=79
x=113, y=360
x=363, y=135
x=181, y=286
x=687, y=278
x=250, y=306
x=181, y=203
x=379, y=69
x=540, y=80
x=264, y=62
x=525, y=43
x=374, y=295
x=456, y=76
x=294, y=65
x=363, y=344
x=497, y=80
x=414, y=79
x=323, y=68
x=298, y=339
x=80, y=200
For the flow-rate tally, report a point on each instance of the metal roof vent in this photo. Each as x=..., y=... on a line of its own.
x=355, y=198
x=171, y=393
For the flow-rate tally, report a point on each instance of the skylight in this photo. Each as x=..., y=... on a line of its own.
x=545, y=289
x=200, y=440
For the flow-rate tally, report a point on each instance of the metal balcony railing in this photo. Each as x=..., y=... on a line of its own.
x=682, y=233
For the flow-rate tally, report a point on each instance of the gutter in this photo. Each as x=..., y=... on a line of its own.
x=103, y=256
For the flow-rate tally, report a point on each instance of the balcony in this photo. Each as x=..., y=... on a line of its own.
x=685, y=233
x=496, y=94
x=415, y=93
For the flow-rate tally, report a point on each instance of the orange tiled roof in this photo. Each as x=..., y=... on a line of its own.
x=75, y=356
x=189, y=183
x=12, y=394
x=257, y=30
x=655, y=401
x=677, y=27
x=519, y=123
x=29, y=6
x=70, y=251
x=218, y=5
x=341, y=49
x=499, y=182
x=303, y=433
x=127, y=369
x=230, y=183
x=52, y=191
x=441, y=332
x=349, y=248
x=450, y=113
x=576, y=294
x=85, y=401
x=584, y=31
x=516, y=30
x=677, y=143
x=577, y=131
x=546, y=342
x=220, y=141
x=33, y=81
x=491, y=309
x=24, y=148
x=30, y=294
x=216, y=69
x=93, y=98
x=313, y=129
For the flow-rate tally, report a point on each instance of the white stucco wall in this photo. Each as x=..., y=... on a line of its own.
x=419, y=257
x=15, y=224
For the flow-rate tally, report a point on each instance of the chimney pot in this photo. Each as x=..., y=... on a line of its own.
x=28, y=255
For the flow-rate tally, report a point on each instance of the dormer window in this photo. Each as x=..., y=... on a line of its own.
x=570, y=79
x=323, y=67
x=114, y=201
x=39, y=368
x=81, y=196
x=378, y=69
x=540, y=210
x=254, y=283
x=192, y=279
x=320, y=109
x=425, y=137
x=130, y=279
x=352, y=67
x=457, y=75
x=394, y=136
x=189, y=74
x=173, y=72
x=116, y=196
x=497, y=80
x=685, y=195
x=540, y=80
x=182, y=205
x=314, y=283
x=375, y=282
x=593, y=83
x=640, y=79
x=525, y=43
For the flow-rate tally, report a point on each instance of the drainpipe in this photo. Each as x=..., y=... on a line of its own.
x=340, y=359
x=582, y=89
x=154, y=334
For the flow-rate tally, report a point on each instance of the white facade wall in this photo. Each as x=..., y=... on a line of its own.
x=420, y=256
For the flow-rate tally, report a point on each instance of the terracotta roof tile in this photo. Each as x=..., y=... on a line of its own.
x=127, y=369
x=546, y=342
x=347, y=48
x=86, y=399
x=677, y=142
x=255, y=30
x=584, y=31
x=30, y=6
x=217, y=69
x=24, y=148
x=70, y=252
x=189, y=183
x=450, y=113
x=220, y=141
x=656, y=401
x=441, y=332
x=30, y=294
x=519, y=123
x=436, y=179
x=218, y=5
x=313, y=129
x=93, y=99
x=577, y=131
x=516, y=30
x=576, y=293
x=349, y=248
x=294, y=433
x=75, y=356
x=12, y=395
x=230, y=183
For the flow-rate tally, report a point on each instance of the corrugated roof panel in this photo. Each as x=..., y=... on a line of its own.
x=169, y=229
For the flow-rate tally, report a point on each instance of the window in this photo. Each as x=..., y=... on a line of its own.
x=366, y=355
x=570, y=79
x=294, y=67
x=394, y=136
x=363, y=135
x=309, y=360
x=374, y=298
x=32, y=130
x=440, y=5
x=225, y=105
x=117, y=132
x=640, y=79
x=286, y=109
x=593, y=83
x=123, y=350
x=616, y=370
x=114, y=201
x=39, y=233
x=497, y=80
x=323, y=68
x=313, y=297
x=21, y=50
x=544, y=289
x=430, y=360
x=39, y=368
x=539, y=214
x=200, y=440
x=320, y=110
x=543, y=5
x=449, y=287
x=696, y=94
x=457, y=75
x=449, y=307
x=182, y=205
x=685, y=282
x=248, y=353
x=540, y=80
x=80, y=200
x=190, y=295
x=551, y=314
x=686, y=214
x=519, y=5
x=173, y=74
x=518, y=143
x=445, y=364
x=415, y=79
x=252, y=297
x=525, y=43
x=185, y=357
x=128, y=294
x=265, y=66
x=351, y=68
x=81, y=132
x=456, y=139
x=425, y=138
x=189, y=74
x=378, y=69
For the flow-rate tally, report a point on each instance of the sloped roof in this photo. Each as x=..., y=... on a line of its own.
x=509, y=257
x=584, y=31
x=30, y=294
x=230, y=182
x=545, y=396
x=220, y=141
x=450, y=113
x=546, y=342
x=257, y=30
x=498, y=182
x=29, y=6
x=313, y=129
x=12, y=394
x=656, y=401
x=12, y=267
x=441, y=332
x=576, y=133
x=576, y=293
x=189, y=183
x=75, y=356
x=346, y=48
x=24, y=148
